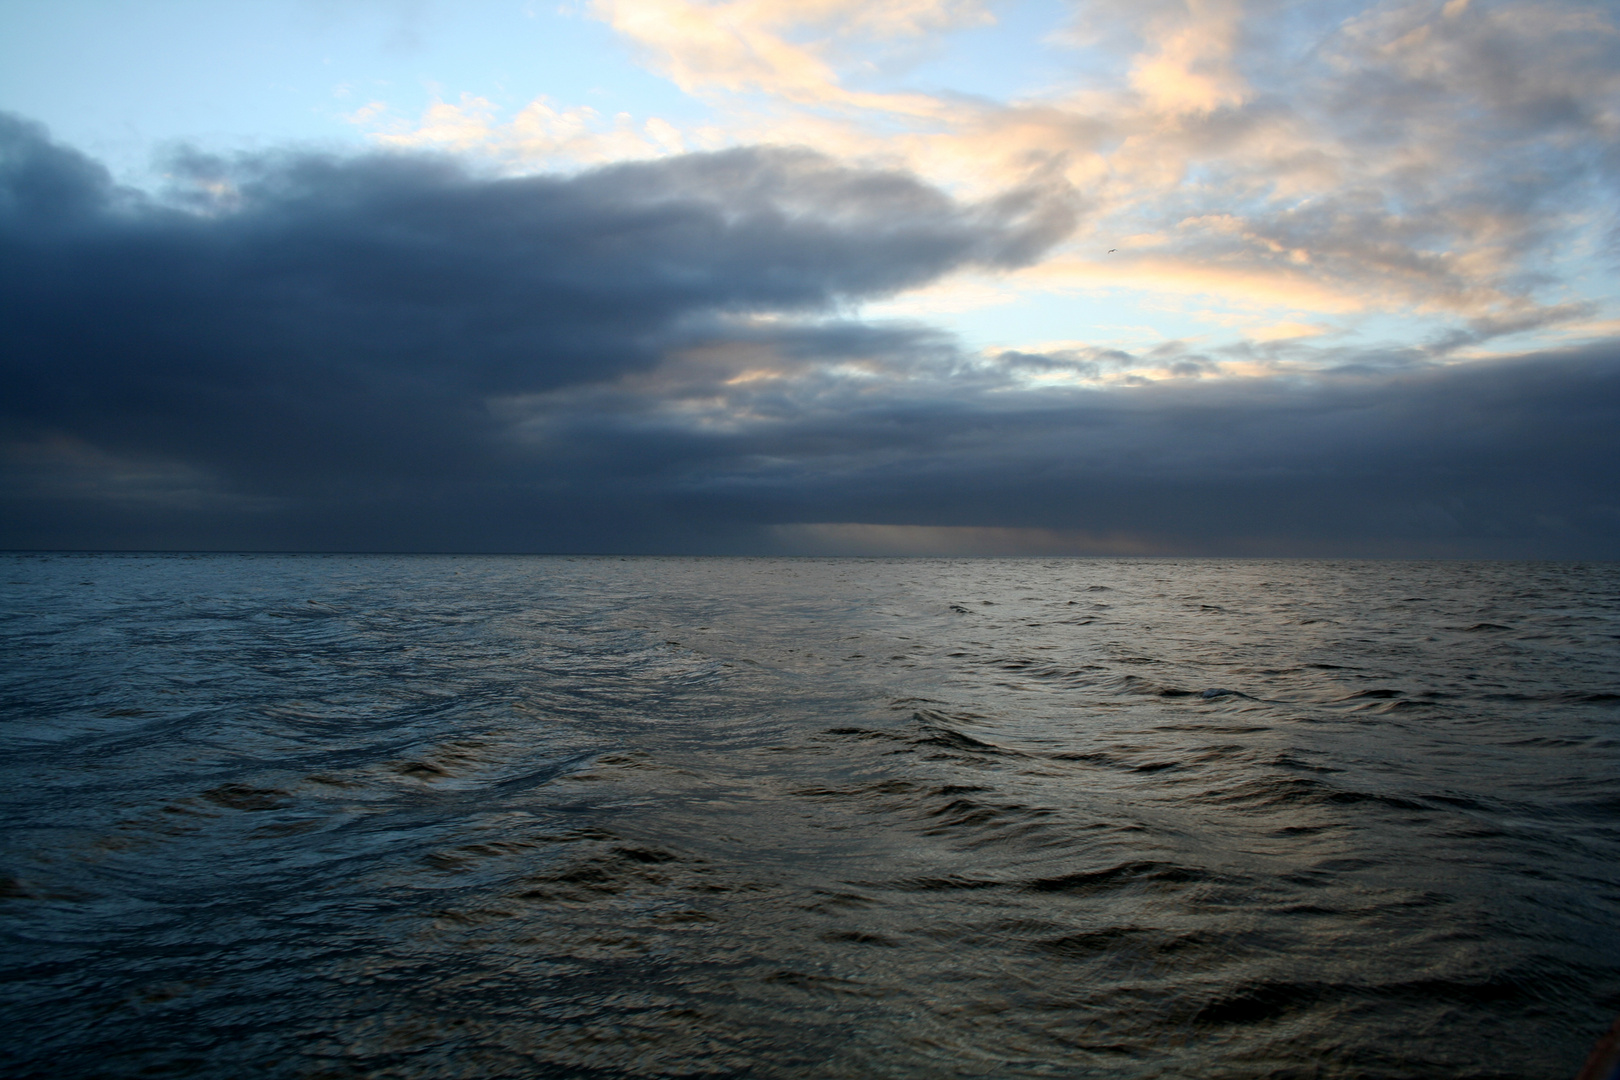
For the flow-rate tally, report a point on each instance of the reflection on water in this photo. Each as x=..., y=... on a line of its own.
x=391, y=816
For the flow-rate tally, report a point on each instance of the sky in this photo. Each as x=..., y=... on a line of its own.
x=944, y=277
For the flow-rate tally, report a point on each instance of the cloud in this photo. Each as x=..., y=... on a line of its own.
x=928, y=451
x=854, y=538
x=1189, y=66
x=787, y=50
x=291, y=324
x=1329, y=165
x=539, y=131
x=387, y=352
x=1385, y=166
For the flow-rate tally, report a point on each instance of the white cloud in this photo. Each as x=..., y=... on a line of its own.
x=1416, y=159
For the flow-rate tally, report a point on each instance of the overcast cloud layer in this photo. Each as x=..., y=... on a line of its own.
x=389, y=353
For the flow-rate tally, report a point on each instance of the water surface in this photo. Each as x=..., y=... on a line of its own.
x=410, y=816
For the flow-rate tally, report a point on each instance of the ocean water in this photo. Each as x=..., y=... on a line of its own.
x=412, y=816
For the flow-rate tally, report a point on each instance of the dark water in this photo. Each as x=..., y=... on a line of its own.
x=510, y=817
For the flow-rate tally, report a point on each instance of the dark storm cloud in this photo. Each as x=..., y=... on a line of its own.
x=296, y=317
x=1504, y=458
x=389, y=353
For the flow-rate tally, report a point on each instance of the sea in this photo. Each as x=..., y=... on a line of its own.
x=412, y=816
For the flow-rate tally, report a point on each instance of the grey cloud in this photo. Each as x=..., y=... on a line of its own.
x=295, y=322
x=1508, y=458
x=1493, y=124
x=389, y=353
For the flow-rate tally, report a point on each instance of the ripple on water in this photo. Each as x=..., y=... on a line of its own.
x=485, y=816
